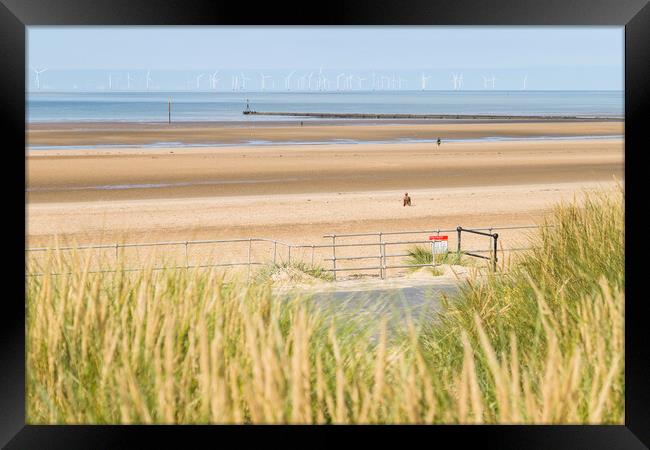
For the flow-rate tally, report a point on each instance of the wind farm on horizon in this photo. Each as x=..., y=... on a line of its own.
x=218, y=80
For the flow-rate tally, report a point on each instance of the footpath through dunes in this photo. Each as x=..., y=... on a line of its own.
x=138, y=174
x=93, y=133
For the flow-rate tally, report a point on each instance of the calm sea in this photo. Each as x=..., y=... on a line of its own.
x=227, y=106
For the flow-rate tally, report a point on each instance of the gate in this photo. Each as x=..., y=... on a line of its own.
x=493, y=236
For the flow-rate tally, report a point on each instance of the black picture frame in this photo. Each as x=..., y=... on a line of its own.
x=16, y=15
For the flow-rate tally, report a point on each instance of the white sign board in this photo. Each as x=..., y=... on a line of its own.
x=439, y=244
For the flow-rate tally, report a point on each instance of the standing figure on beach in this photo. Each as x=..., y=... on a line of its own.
x=439, y=142
x=407, y=199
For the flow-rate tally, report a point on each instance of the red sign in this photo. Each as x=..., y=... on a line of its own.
x=438, y=238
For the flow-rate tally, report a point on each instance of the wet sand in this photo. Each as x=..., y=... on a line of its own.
x=79, y=134
x=291, y=169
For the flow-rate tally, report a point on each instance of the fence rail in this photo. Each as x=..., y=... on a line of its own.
x=382, y=255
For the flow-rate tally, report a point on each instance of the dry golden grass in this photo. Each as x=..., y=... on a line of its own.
x=541, y=344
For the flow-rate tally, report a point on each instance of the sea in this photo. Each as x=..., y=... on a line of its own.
x=131, y=106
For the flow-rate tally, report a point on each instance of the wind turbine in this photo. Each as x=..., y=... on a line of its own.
x=214, y=80
x=492, y=80
x=264, y=77
x=460, y=81
x=424, y=81
x=311, y=75
x=301, y=83
x=401, y=80
x=235, y=83
x=350, y=77
x=338, y=81
x=244, y=79
x=38, y=72
x=326, y=83
x=525, y=79
x=455, y=80
x=360, y=79
x=287, y=81
x=128, y=80
x=485, y=82
x=385, y=81
x=148, y=80
x=110, y=81
x=198, y=80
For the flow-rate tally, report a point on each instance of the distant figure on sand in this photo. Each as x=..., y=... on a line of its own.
x=301, y=123
x=407, y=199
x=438, y=142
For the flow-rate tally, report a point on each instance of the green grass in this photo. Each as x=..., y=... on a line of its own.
x=419, y=254
x=542, y=343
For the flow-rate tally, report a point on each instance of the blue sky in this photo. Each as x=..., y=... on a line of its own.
x=548, y=57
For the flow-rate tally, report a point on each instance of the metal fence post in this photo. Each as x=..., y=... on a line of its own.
x=334, y=255
x=116, y=254
x=187, y=264
x=458, y=230
x=289, y=254
x=312, y=255
x=494, y=263
x=381, y=256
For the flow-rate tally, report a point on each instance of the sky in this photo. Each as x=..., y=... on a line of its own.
x=117, y=58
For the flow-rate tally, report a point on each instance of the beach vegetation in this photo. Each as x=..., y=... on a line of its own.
x=539, y=343
x=294, y=271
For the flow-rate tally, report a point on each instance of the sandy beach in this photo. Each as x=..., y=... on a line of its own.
x=300, y=192
x=89, y=133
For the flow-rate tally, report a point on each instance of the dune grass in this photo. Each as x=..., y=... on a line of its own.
x=267, y=272
x=419, y=254
x=542, y=343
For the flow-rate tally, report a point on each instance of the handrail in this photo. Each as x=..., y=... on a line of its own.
x=381, y=243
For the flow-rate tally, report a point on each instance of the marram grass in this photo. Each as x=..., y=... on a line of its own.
x=540, y=344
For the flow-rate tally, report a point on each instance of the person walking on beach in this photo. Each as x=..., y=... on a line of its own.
x=407, y=199
x=439, y=142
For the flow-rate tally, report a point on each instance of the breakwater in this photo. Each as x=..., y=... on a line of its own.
x=323, y=115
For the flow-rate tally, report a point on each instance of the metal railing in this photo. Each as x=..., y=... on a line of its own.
x=382, y=254
x=186, y=244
